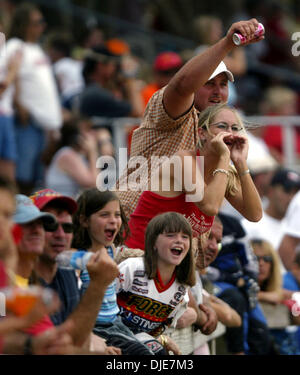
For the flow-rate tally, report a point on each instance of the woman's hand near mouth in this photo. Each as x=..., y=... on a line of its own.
x=218, y=144
x=239, y=150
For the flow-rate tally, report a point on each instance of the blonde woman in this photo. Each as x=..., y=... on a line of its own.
x=270, y=282
x=196, y=193
x=269, y=277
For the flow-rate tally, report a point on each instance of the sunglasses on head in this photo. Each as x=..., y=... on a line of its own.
x=265, y=258
x=67, y=227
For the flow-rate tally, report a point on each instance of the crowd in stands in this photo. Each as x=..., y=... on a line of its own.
x=159, y=262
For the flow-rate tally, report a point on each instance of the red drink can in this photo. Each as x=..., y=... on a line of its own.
x=240, y=39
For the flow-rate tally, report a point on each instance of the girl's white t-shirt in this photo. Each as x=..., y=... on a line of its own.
x=143, y=303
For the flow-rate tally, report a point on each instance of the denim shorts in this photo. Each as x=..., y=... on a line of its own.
x=8, y=149
x=31, y=141
x=118, y=335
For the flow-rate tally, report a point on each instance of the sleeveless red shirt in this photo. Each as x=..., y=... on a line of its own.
x=151, y=204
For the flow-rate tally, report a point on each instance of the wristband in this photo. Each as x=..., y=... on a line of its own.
x=220, y=170
x=244, y=173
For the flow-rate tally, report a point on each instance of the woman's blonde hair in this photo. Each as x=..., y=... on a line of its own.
x=274, y=282
x=205, y=119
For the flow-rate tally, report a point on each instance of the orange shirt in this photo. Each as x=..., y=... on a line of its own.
x=148, y=91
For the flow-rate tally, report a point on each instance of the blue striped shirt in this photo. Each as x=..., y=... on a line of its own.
x=109, y=308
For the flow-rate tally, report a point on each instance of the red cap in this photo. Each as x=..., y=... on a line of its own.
x=42, y=197
x=167, y=61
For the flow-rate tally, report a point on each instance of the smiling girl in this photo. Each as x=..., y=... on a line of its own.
x=153, y=290
x=99, y=223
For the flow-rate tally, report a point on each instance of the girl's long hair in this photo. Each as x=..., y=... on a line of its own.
x=274, y=282
x=169, y=222
x=89, y=202
x=205, y=119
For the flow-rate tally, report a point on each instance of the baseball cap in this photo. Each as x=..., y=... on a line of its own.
x=262, y=164
x=42, y=197
x=222, y=68
x=117, y=46
x=26, y=212
x=167, y=61
x=287, y=178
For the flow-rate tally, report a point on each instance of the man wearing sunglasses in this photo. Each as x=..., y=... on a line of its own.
x=59, y=237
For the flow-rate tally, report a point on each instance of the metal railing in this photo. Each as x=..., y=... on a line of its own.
x=288, y=124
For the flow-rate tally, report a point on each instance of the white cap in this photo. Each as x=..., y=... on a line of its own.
x=262, y=164
x=221, y=68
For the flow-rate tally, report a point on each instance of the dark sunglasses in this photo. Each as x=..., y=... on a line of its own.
x=265, y=258
x=67, y=227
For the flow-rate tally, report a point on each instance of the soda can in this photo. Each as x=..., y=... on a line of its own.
x=240, y=39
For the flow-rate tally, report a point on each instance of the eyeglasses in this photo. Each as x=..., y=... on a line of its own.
x=265, y=258
x=225, y=127
x=67, y=227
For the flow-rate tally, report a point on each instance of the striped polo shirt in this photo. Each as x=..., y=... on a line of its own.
x=109, y=308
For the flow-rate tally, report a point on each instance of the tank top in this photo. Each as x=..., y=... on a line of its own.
x=59, y=180
x=151, y=204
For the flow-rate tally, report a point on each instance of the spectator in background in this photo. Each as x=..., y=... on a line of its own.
x=278, y=39
x=272, y=294
x=73, y=166
x=94, y=37
x=209, y=29
x=165, y=65
x=279, y=101
x=8, y=149
x=37, y=99
x=262, y=170
x=284, y=185
x=269, y=275
x=97, y=99
x=234, y=273
x=291, y=279
x=109, y=93
x=291, y=233
x=8, y=253
x=225, y=314
x=68, y=71
x=291, y=284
